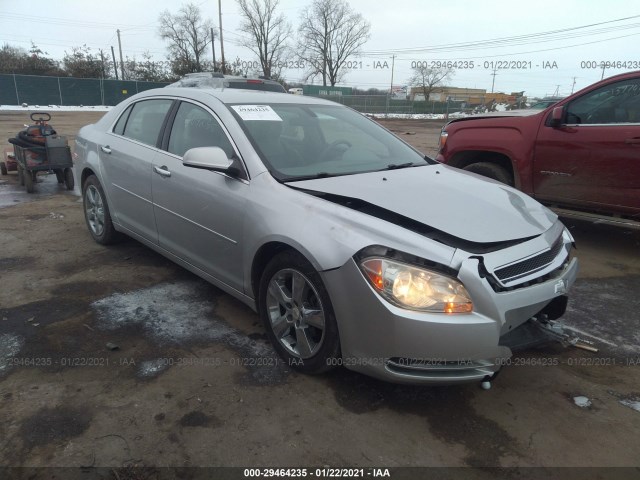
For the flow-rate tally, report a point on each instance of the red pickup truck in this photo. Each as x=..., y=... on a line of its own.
x=581, y=154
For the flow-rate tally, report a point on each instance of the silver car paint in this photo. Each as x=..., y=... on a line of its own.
x=439, y=196
x=216, y=235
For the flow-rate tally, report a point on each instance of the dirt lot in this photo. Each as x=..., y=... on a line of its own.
x=193, y=382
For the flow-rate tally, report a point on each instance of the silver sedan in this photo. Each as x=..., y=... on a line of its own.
x=354, y=248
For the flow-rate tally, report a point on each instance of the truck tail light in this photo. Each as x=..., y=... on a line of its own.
x=442, y=141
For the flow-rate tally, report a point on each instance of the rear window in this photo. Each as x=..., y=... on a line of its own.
x=258, y=85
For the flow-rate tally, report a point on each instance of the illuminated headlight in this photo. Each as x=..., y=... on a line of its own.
x=416, y=288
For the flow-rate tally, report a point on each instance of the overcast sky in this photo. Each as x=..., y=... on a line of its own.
x=406, y=28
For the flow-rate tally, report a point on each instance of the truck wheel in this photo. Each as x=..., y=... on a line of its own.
x=29, y=180
x=68, y=178
x=3, y=168
x=59, y=176
x=491, y=170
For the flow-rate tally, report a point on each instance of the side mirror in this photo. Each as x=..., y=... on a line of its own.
x=210, y=158
x=557, y=115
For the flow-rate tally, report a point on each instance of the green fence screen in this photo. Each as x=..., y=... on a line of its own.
x=37, y=90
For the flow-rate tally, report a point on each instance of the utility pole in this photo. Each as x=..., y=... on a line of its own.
x=115, y=65
x=393, y=60
x=213, y=49
x=557, y=92
x=224, y=68
x=573, y=85
x=121, y=61
x=102, y=67
x=493, y=83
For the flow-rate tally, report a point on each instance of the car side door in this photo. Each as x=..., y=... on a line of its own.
x=199, y=213
x=593, y=158
x=126, y=164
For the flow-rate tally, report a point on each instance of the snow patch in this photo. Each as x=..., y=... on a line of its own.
x=634, y=404
x=10, y=346
x=582, y=402
x=57, y=108
x=180, y=313
x=151, y=368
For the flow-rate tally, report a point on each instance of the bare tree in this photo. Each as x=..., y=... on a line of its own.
x=428, y=79
x=330, y=33
x=81, y=63
x=268, y=33
x=189, y=36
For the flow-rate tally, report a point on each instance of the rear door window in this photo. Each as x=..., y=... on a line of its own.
x=146, y=119
x=122, y=121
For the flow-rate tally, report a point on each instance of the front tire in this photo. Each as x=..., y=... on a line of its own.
x=3, y=168
x=297, y=314
x=491, y=170
x=96, y=212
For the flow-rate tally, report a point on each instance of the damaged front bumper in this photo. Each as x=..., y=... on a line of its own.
x=405, y=346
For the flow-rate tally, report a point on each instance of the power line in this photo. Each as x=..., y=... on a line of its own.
x=513, y=40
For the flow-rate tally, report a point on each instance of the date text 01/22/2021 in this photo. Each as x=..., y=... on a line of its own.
x=324, y=472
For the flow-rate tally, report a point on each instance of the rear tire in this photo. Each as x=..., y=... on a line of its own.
x=96, y=212
x=297, y=314
x=3, y=168
x=491, y=170
x=59, y=176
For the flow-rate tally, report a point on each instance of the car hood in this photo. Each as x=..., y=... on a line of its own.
x=507, y=113
x=457, y=203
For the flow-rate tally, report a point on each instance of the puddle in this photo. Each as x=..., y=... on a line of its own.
x=12, y=193
x=448, y=412
x=200, y=419
x=593, y=299
x=50, y=425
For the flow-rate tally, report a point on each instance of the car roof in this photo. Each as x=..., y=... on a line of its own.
x=218, y=80
x=235, y=95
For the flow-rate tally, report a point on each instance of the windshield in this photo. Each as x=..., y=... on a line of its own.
x=308, y=141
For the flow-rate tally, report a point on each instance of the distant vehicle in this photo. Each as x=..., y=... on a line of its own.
x=544, y=103
x=218, y=80
x=296, y=91
x=581, y=153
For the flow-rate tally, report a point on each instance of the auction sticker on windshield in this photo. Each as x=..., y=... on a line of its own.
x=256, y=112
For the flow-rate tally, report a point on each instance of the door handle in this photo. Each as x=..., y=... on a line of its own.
x=106, y=149
x=633, y=141
x=163, y=170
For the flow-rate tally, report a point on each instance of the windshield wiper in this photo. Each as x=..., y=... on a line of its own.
x=312, y=177
x=395, y=166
